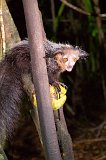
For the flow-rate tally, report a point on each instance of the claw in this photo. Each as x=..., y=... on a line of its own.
x=62, y=84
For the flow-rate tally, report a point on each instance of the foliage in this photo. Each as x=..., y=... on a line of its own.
x=82, y=30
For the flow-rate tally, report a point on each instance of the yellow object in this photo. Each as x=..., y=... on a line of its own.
x=57, y=99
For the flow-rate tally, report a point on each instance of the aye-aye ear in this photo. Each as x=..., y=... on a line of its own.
x=58, y=55
x=58, y=52
x=54, y=54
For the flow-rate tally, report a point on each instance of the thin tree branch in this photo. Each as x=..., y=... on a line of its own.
x=40, y=79
x=88, y=141
x=64, y=137
x=75, y=8
x=99, y=22
x=100, y=157
x=53, y=14
x=102, y=15
x=80, y=10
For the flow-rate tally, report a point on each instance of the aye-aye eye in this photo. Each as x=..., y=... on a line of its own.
x=65, y=59
x=75, y=59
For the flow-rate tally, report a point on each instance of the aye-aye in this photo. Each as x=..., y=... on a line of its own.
x=59, y=58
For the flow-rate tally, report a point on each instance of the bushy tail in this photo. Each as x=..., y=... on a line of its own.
x=10, y=98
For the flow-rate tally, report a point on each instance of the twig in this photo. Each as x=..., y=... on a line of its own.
x=98, y=129
x=53, y=14
x=103, y=15
x=90, y=140
x=75, y=8
x=80, y=10
x=98, y=21
x=100, y=157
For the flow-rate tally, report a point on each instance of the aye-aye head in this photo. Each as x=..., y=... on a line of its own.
x=65, y=55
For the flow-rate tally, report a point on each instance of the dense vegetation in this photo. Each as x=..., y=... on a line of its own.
x=86, y=103
x=87, y=82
